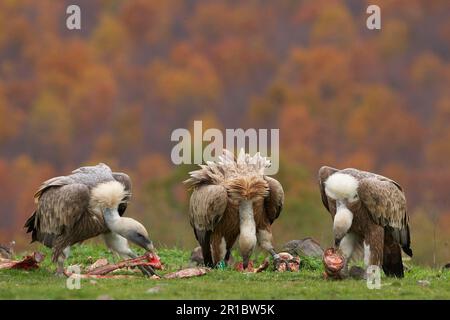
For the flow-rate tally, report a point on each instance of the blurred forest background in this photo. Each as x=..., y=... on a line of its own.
x=340, y=94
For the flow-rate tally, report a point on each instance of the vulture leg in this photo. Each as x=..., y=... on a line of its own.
x=347, y=246
x=228, y=256
x=119, y=245
x=392, y=257
x=60, y=261
x=204, y=239
x=373, y=247
x=230, y=240
x=264, y=237
x=245, y=260
x=219, y=248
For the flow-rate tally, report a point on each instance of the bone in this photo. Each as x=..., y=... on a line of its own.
x=97, y=264
x=287, y=262
x=148, y=259
x=187, y=273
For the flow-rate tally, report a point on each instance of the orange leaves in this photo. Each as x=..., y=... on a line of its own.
x=334, y=25
x=19, y=179
x=149, y=21
x=428, y=70
x=299, y=133
x=11, y=119
x=50, y=122
x=395, y=38
x=318, y=73
x=213, y=21
x=340, y=94
x=189, y=78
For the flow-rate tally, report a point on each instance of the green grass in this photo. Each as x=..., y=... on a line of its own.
x=218, y=284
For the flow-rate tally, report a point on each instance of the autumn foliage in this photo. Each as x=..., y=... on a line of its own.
x=340, y=94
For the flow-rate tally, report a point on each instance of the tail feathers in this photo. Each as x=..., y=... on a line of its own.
x=407, y=250
x=406, y=244
x=30, y=224
x=394, y=269
x=392, y=263
x=392, y=257
x=402, y=236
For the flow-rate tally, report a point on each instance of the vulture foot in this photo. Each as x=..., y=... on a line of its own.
x=147, y=271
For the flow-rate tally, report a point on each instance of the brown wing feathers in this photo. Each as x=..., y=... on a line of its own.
x=386, y=204
x=207, y=206
x=273, y=203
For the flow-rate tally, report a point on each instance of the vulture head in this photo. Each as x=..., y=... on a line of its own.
x=107, y=197
x=344, y=189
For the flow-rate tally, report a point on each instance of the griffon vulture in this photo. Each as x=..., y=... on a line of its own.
x=230, y=199
x=82, y=205
x=368, y=210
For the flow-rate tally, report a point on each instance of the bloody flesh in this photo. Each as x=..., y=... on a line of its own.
x=149, y=259
x=333, y=263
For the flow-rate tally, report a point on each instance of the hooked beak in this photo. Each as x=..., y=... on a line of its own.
x=337, y=242
x=151, y=248
x=143, y=242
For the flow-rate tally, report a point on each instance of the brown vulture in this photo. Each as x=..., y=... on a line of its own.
x=231, y=199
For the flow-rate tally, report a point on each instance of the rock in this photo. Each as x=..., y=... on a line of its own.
x=357, y=273
x=154, y=290
x=7, y=250
x=304, y=247
x=423, y=283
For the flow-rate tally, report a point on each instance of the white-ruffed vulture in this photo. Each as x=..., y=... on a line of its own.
x=82, y=205
x=368, y=211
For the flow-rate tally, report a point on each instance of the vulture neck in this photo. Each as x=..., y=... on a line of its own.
x=247, y=237
x=112, y=219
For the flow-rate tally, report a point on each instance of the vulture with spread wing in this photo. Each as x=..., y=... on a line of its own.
x=82, y=205
x=368, y=210
x=233, y=198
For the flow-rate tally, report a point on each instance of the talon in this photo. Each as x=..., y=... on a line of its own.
x=147, y=271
